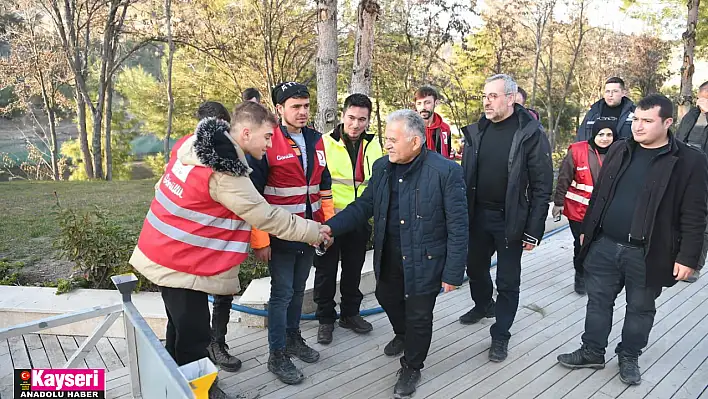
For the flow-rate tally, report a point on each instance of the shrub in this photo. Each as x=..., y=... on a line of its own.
x=156, y=163
x=9, y=272
x=99, y=247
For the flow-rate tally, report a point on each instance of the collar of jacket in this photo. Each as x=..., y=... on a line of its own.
x=214, y=149
x=337, y=134
x=417, y=162
x=310, y=135
x=527, y=123
x=673, y=147
x=627, y=103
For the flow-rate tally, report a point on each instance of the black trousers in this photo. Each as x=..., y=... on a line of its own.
x=351, y=249
x=188, y=333
x=411, y=318
x=220, y=317
x=487, y=236
x=575, y=229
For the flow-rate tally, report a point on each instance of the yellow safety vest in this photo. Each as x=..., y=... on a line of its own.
x=344, y=188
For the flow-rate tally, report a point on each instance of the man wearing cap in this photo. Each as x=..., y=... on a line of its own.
x=292, y=175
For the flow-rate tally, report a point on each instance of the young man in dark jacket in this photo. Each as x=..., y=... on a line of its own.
x=693, y=131
x=417, y=200
x=614, y=103
x=643, y=230
x=509, y=176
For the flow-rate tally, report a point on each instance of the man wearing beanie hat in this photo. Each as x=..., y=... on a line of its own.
x=292, y=175
x=580, y=168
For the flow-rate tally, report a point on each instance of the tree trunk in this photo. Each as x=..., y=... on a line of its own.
x=326, y=65
x=170, y=98
x=83, y=134
x=107, y=128
x=549, y=91
x=364, y=47
x=687, y=69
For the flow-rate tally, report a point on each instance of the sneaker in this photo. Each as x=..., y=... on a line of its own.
x=219, y=355
x=476, y=314
x=324, y=334
x=217, y=393
x=295, y=346
x=396, y=346
x=582, y=359
x=408, y=378
x=579, y=284
x=279, y=363
x=499, y=350
x=693, y=277
x=356, y=324
x=629, y=369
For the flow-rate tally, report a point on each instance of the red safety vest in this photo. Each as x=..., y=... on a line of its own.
x=579, y=192
x=186, y=230
x=287, y=186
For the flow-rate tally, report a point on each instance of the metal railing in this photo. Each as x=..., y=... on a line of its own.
x=153, y=373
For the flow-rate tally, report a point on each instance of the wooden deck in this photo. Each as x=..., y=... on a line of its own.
x=550, y=321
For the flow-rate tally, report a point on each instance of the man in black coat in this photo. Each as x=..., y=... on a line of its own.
x=417, y=200
x=613, y=104
x=643, y=230
x=509, y=176
x=693, y=131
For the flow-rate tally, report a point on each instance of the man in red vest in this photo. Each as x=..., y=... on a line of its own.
x=437, y=133
x=293, y=175
x=198, y=228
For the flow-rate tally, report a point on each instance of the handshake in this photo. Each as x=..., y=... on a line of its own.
x=325, y=236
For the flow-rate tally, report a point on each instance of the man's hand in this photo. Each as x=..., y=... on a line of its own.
x=325, y=234
x=447, y=287
x=702, y=103
x=262, y=254
x=528, y=247
x=682, y=272
x=557, y=212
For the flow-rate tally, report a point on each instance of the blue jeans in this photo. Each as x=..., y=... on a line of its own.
x=288, y=273
x=609, y=266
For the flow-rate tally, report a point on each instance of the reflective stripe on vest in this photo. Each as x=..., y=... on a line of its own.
x=577, y=198
x=195, y=240
x=290, y=191
x=582, y=187
x=198, y=217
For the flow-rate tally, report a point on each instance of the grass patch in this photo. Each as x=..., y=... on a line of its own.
x=28, y=226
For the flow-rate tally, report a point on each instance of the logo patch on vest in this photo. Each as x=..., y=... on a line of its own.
x=580, y=168
x=181, y=171
x=321, y=158
x=284, y=157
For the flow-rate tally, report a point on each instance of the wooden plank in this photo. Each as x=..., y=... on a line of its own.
x=695, y=385
x=679, y=374
x=6, y=370
x=122, y=391
x=18, y=353
x=108, y=354
x=54, y=352
x=37, y=354
x=93, y=359
x=121, y=349
x=59, y=320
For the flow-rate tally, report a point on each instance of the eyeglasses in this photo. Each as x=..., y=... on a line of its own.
x=492, y=96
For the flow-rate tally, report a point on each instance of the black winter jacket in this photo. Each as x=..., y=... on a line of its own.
x=670, y=216
x=434, y=226
x=530, y=184
x=624, y=123
x=683, y=133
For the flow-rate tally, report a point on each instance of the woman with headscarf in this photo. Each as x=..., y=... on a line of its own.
x=580, y=168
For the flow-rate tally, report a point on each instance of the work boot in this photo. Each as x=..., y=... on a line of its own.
x=219, y=355
x=324, y=334
x=693, y=277
x=396, y=346
x=579, y=284
x=279, y=363
x=295, y=346
x=356, y=324
x=629, y=369
x=499, y=350
x=477, y=314
x=408, y=378
x=581, y=359
x=217, y=393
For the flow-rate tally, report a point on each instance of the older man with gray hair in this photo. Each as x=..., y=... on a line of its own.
x=417, y=200
x=509, y=176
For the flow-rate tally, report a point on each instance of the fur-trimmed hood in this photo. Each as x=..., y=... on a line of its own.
x=210, y=147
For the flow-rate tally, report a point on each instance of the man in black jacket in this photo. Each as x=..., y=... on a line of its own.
x=509, y=176
x=643, y=230
x=417, y=200
x=614, y=103
x=693, y=131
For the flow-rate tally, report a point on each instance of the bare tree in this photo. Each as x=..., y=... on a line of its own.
x=170, y=56
x=326, y=65
x=689, y=45
x=364, y=47
x=541, y=11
